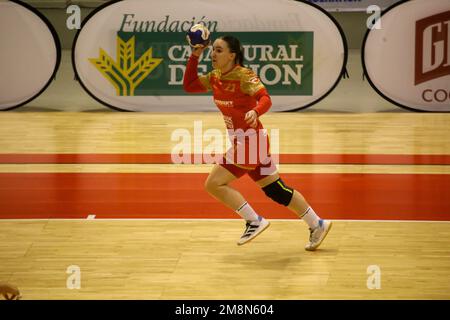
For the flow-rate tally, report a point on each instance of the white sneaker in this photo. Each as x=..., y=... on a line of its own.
x=252, y=229
x=317, y=235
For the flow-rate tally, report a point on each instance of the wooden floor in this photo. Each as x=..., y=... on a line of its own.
x=198, y=258
x=142, y=259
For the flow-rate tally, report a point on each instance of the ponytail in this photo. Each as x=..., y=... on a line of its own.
x=240, y=57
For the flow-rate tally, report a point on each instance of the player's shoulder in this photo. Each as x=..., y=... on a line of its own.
x=248, y=75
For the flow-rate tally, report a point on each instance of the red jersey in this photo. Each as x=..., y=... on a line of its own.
x=235, y=92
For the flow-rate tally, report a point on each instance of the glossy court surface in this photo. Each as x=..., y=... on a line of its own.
x=100, y=191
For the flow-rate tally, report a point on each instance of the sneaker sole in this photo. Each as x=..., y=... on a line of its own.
x=323, y=238
x=262, y=230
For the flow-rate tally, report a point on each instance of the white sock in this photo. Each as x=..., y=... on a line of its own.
x=247, y=212
x=311, y=218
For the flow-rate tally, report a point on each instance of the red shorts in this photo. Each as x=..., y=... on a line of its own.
x=251, y=155
x=259, y=172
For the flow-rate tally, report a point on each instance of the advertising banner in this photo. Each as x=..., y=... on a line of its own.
x=407, y=61
x=29, y=54
x=131, y=55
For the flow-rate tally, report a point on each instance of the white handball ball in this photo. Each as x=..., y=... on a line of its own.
x=198, y=36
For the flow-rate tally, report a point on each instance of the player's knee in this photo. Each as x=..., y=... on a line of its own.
x=279, y=192
x=211, y=185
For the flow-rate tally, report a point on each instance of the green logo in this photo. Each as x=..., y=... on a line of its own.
x=282, y=60
x=127, y=73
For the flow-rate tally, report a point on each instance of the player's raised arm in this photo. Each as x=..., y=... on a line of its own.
x=191, y=80
x=198, y=38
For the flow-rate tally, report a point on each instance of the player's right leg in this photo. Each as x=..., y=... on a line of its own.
x=217, y=185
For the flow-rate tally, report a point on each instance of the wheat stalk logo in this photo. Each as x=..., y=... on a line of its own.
x=125, y=74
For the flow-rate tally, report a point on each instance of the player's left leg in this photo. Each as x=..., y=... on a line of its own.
x=278, y=191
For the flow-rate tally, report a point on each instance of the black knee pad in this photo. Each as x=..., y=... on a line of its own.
x=279, y=192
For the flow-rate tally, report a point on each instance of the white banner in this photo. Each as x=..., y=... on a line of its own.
x=352, y=5
x=407, y=60
x=296, y=49
x=29, y=54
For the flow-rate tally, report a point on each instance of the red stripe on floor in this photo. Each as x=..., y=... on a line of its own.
x=181, y=195
x=150, y=158
x=365, y=159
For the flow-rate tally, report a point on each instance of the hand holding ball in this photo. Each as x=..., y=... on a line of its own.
x=198, y=36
